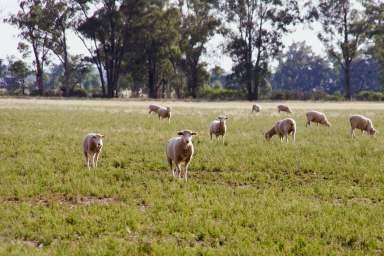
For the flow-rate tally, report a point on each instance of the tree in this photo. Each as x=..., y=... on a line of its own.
x=300, y=69
x=62, y=13
x=106, y=27
x=88, y=37
x=343, y=34
x=19, y=71
x=256, y=36
x=375, y=18
x=199, y=24
x=33, y=21
x=159, y=40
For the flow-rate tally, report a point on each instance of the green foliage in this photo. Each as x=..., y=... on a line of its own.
x=19, y=71
x=219, y=93
x=370, y=96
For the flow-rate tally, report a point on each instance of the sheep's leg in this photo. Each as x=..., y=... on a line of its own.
x=171, y=171
x=222, y=138
x=210, y=135
x=169, y=120
x=93, y=160
x=178, y=170
x=86, y=159
x=353, y=133
x=186, y=171
x=308, y=123
x=97, y=157
x=294, y=136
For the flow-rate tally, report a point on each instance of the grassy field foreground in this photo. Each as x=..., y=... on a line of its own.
x=322, y=195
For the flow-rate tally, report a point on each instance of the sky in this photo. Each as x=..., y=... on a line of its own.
x=214, y=56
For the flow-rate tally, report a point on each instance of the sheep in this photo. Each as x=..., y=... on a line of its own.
x=218, y=127
x=164, y=113
x=92, y=145
x=283, y=108
x=153, y=108
x=283, y=128
x=180, y=150
x=256, y=108
x=317, y=117
x=363, y=123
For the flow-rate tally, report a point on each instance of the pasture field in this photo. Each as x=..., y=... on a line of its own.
x=322, y=195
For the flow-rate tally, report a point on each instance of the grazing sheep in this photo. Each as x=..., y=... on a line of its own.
x=218, y=127
x=92, y=145
x=317, y=117
x=283, y=128
x=180, y=150
x=256, y=108
x=283, y=108
x=363, y=123
x=153, y=108
x=164, y=113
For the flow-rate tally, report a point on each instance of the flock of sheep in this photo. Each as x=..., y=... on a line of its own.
x=179, y=150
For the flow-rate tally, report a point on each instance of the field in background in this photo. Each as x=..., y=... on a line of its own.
x=322, y=195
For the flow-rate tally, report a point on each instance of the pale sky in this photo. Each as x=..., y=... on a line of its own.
x=214, y=56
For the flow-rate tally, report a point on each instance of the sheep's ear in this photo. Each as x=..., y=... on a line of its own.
x=180, y=133
x=194, y=133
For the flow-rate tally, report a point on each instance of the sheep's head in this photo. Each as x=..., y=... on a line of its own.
x=222, y=118
x=327, y=123
x=98, y=140
x=372, y=131
x=186, y=136
x=169, y=109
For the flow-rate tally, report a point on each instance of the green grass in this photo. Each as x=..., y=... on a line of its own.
x=322, y=195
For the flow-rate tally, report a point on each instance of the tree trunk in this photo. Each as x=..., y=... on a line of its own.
x=39, y=79
x=347, y=82
x=249, y=81
x=152, y=79
x=193, y=83
x=67, y=87
x=257, y=84
x=23, y=87
x=347, y=59
x=249, y=68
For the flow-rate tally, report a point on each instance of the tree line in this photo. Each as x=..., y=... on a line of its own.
x=157, y=46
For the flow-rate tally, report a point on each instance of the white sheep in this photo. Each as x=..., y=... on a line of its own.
x=153, y=108
x=256, y=108
x=180, y=150
x=164, y=113
x=283, y=128
x=317, y=117
x=218, y=127
x=362, y=123
x=92, y=145
x=283, y=108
